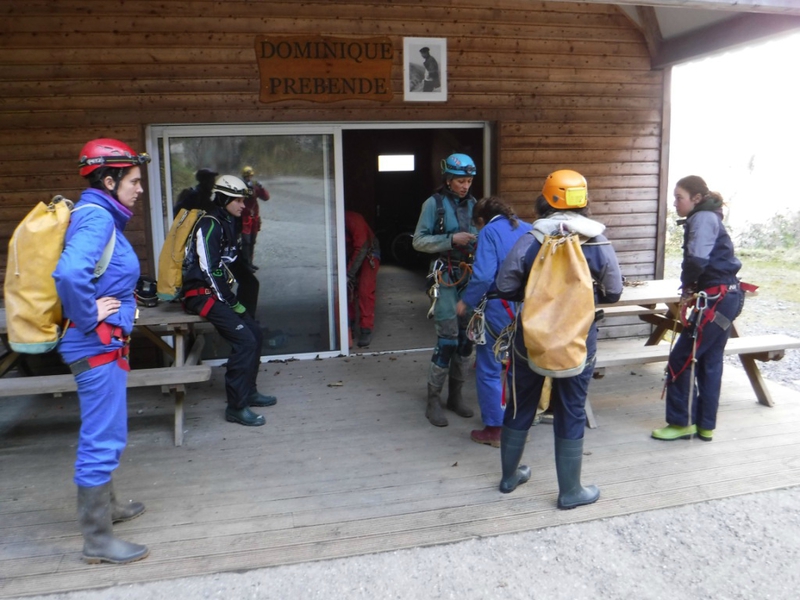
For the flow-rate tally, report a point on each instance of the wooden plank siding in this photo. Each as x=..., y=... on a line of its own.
x=565, y=86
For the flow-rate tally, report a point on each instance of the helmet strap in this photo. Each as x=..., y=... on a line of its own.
x=116, y=176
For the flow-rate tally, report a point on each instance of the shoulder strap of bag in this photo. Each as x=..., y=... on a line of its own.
x=438, y=228
x=108, y=251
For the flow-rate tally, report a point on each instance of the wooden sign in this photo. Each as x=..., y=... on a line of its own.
x=324, y=69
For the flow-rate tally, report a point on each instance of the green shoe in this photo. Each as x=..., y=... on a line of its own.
x=674, y=432
x=705, y=434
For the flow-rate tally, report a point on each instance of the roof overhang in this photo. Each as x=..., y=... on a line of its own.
x=681, y=30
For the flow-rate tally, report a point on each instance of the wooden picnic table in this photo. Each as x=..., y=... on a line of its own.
x=658, y=302
x=164, y=319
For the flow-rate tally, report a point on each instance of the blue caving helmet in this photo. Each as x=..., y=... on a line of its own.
x=459, y=165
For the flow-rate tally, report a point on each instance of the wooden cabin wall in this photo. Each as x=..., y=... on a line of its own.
x=565, y=86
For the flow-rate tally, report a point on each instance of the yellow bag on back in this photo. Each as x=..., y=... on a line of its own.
x=559, y=308
x=33, y=309
x=170, y=260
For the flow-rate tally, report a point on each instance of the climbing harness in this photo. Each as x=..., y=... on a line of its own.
x=437, y=279
x=702, y=311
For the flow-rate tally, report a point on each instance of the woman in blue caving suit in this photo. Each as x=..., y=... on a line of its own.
x=101, y=311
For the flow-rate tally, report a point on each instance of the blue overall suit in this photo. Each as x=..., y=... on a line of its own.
x=708, y=265
x=452, y=351
x=101, y=390
x=495, y=241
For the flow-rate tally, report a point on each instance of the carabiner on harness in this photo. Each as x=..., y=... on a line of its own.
x=433, y=291
x=476, y=328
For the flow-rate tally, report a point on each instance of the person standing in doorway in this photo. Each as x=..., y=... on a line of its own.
x=432, y=79
x=363, y=262
x=709, y=281
x=101, y=311
x=562, y=207
x=208, y=286
x=445, y=230
x=499, y=229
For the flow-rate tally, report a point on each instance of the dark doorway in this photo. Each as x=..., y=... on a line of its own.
x=391, y=201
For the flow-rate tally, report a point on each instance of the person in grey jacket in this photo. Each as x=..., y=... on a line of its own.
x=709, y=280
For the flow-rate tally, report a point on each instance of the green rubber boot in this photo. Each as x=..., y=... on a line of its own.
x=674, y=432
x=705, y=434
x=512, y=445
x=569, y=460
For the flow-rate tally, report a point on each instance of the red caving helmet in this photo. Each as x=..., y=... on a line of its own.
x=106, y=152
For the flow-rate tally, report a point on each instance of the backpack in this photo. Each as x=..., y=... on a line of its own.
x=33, y=309
x=559, y=308
x=173, y=253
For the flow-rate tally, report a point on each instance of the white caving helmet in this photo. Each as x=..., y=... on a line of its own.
x=227, y=188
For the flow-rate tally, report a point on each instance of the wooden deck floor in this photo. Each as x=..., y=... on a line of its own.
x=346, y=465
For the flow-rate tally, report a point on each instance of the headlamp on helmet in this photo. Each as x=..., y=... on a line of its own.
x=565, y=189
x=459, y=165
x=107, y=152
x=146, y=292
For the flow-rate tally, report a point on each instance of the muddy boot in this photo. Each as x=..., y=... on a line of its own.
x=512, y=445
x=569, y=457
x=124, y=511
x=365, y=337
x=434, y=409
x=455, y=401
x=99, y=543
x=489, y=435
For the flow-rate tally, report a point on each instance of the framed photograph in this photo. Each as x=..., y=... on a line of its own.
x=425, y=69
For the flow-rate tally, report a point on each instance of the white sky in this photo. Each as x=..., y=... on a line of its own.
x=734, y=108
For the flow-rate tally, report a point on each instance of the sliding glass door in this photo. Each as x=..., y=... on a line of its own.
x=296, y=280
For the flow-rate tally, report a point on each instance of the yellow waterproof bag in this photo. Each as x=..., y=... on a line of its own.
x=170, y=260
x=559, y=308
x=33, y=309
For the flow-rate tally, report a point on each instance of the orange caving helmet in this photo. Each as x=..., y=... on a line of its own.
x=565, y=189
x=107, y=152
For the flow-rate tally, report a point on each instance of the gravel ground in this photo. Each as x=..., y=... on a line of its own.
x=762, y=316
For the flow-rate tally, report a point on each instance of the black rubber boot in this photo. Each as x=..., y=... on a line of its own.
x=433, y=411
x=124, y=511
x=256, y=398
x=512, y=445
x=244, y=416
x=569, y=457
x=455, y=401
x=99, y=543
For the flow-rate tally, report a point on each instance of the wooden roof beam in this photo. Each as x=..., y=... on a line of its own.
x=728, y=34
x=650, y=28
x=744, y=6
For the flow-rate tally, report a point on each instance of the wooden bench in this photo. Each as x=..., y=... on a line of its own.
x=168, y=377
x=759, y=347
x=748, y=348
x=164, y=319
x=634, y=310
